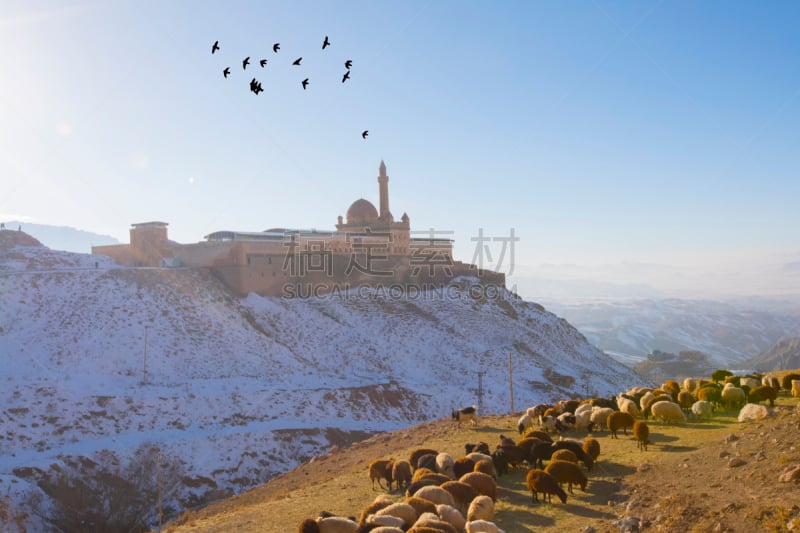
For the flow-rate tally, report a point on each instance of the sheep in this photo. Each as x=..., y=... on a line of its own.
x=480, y=447
x=628, y=406
x=463, y=465
x=482, y=483
x=427, y=461
x=771, y=381
x=568, y=406
x=481, y=508
x=528, y=443
x=431, y=478
x=415, y=455
x=564, y=455
x=710, y=394
x=401, y=473
x=435, y=494
x=386, y=520
x=461, y=493
x=537, y=410
x=583, y=421
x=702, y=409
x=732, y=396
x=795, y=388
x=750, y=382
x=537, y=434
x=444, y=465
x=591, y=446
x=686, y=399
x=524, y=423
x=761, y=393
x=482, y=526
x=308, y=525
x=380, y=502
x=432, y=521
x=566, y=420
x=668, y=412
x=641, y=431
x=385, y=529
x=753, y=411
x=646, y=412
x=475, y=456
x=566, y=472
x=619, y=420
x=493, y=467
x=786, y=380
x=645, y=399
x=600, y=417
x=467, y=414
x=336, y=524
x=419, y=506
x=451, y=515
x=381, y=469
x=540, y=481
x=575, y=447
x=720, y=375
x=419, y=473
x=691, y=384
x=514, y=455
x=548, y=423
x=540, y=452
x=405, y=510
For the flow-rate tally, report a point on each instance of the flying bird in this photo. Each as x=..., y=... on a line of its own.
x=305, y=83
x=346, y=76
x=348, y=64
x=215, y=47
x=297, y=61
x=226, y=71
x=325, y=43
x=276, y=47
x=364, y=134
x=255, y=86
x=245, y=62
x=263, y=63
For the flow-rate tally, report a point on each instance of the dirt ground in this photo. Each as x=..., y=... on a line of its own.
x=717, y=475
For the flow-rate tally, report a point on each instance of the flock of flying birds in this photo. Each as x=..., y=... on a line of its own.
x=255, y=85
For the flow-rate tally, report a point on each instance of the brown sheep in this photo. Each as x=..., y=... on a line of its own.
x=641, y=432
x=686, y=400
x=435, y=477
x=461, y=492
x=528, y=443
x=591, y=446
x=564, y=455
x=712, y=395
x=401, y=473
x=514, y=454
x=566, y=472
x=482, y=483
x=436, y=495
x=537, y=434
x=431, y=521
x=540, y=481
x=377, y=504
x=762, y=393
x=486, y=466
x=308, y=526
x=481, y=508
x=419, y=452
x=381, y=469
x=463, y=465
x=419, y=473
x=420, y=505
x=619, y=420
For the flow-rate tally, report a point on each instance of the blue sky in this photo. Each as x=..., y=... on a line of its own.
x=626, y=142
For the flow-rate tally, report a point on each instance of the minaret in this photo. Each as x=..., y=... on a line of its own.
x=383, y=190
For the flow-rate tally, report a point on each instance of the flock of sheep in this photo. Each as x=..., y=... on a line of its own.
x=444, y=494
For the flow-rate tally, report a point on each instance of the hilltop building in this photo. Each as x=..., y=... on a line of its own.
x=369, y=247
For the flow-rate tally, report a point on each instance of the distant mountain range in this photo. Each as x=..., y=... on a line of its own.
x=62, y=237
x=727, y=332
x=783, y=355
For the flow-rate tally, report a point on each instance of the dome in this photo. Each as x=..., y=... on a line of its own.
x=361, y=211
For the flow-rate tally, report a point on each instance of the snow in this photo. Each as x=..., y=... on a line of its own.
x=96, y=357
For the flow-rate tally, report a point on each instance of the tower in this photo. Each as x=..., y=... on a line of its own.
x=383, y=190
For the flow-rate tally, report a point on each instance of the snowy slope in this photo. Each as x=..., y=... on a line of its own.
x=96, y=357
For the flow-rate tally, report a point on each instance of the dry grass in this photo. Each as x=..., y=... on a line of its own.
x=682, y=483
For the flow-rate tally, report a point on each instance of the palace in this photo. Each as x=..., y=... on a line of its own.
x=368, y=248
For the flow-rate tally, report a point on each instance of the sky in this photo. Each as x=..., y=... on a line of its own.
x=644, y=144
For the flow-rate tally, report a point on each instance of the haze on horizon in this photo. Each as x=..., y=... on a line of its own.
x=648, y=145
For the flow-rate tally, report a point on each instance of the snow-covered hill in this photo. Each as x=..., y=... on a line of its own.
x=101, y=361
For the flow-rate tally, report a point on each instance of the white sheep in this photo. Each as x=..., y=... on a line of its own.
x=702, y=409
x=435, y=494
x=667, y=411
x=645, y=399
x=444, y=465
x=771, y=381
x=536, y=411
x=481, y=508
x=600, y=416
x=583, y=420
x=400, y=510
x=567, y=420
x=691, y=384
x=584, y=407
x=751, y=383
x=753, y=411
x=387, y=529
x=628, y=406
x=483, y=526
x=432, y=521
x=477, y=456
x=452, y=516
x=795, y=388
x=524, y=423
x=547, y=423
x=732, y=396
x=385, y=520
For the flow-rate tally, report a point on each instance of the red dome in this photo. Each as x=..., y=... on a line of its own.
x=361, y=211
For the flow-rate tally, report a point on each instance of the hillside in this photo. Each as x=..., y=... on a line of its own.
x=716, y=475
x=782, y=355
x=105, y=364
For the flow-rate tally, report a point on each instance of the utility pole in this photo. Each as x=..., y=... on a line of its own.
x=144, y=370
x=480, y=392
x=158, y=477
x=511, y=383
